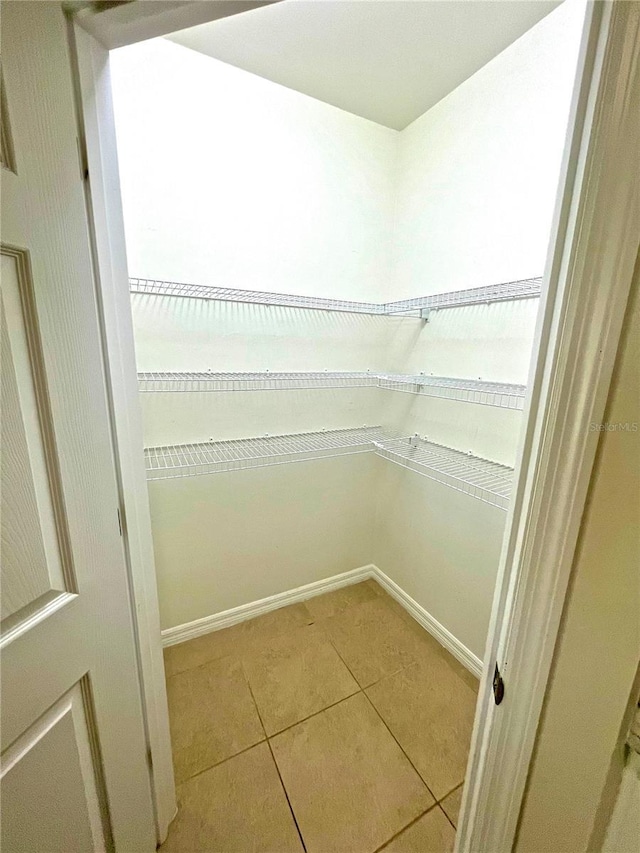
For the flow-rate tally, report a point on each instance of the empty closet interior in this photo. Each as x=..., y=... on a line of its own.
x=334, y=312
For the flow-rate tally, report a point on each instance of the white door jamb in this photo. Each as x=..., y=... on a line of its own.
x=594, y=245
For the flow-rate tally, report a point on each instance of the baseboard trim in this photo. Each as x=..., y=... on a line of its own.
x=430, y=624
x=191, y=630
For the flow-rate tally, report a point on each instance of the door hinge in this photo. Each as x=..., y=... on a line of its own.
x=498, y=686
x=149, y=758
x=119, y=521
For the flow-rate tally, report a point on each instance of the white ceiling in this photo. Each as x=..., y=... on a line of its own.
x=385, y=60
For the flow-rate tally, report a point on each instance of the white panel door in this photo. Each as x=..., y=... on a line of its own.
x=74, y=765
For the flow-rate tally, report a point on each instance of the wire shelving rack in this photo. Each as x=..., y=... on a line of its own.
x=527, y=288
x=186, y=460
x=500, y=394
x=262, y=381
x=505, y=291
x=254, y=297
x=480, y=478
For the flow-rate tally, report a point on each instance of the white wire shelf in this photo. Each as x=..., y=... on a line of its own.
x=480, y=478
x=264, y=381
x=499, y=394
x=186, y=460
x=255, y=297
x=524, y=289
x=527, y=288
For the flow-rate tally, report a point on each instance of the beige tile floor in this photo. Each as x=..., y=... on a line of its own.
x=334, y=726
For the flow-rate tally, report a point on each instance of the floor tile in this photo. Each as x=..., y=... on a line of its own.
x=374, y=641
x=295, y=676
x=229, y=641
x=426, y=638
x=212, y=716
x=237, y=807
x=349, y=784
x=451, y=805
x=334, y=602
x=430, y=711
x=432, y=833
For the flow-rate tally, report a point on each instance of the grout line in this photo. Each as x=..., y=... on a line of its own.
x=459, y=785
x=286, y=793
x=246, y=749
x=448, y=818
x=444, y=810
x=364, y=689
x=196, y=666
x=440, y=802
x=273, y=758
x=223, y=761
x=401, y=748
x=253, y=698
x=389, y=730
x=389, y=675
x=400, y=831
x=315, y=714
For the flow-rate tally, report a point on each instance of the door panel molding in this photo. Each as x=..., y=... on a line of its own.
x=7, y=151
x=24, y=274
x=32, y=614
x=72, y=720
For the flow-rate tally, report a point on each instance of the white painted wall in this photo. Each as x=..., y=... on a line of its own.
x=227, y=539
x=476, y=186
x=174, y=418
x=477, y=173
x=232, y=180
x=196, y=334
x=441, y=547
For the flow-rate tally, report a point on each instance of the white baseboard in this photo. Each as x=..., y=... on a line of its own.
x=190, y=630
x=442, y=635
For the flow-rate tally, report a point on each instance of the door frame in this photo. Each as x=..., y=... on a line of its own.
x=592, y=253
x=593, y=247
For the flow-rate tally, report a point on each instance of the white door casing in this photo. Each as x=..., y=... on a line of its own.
x=74, y=754
x=593, y=250
x=103, y=199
